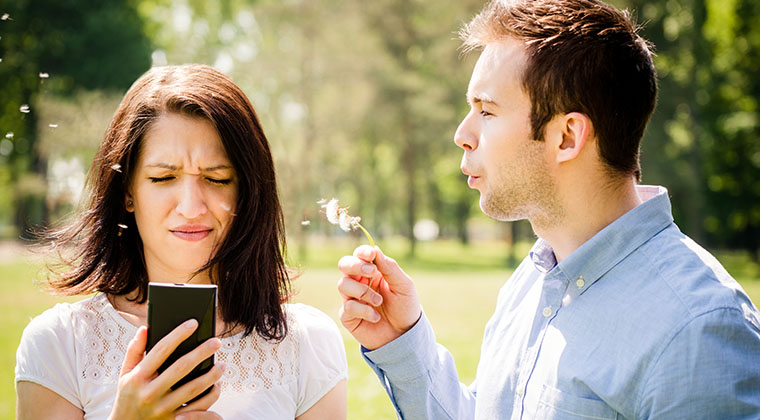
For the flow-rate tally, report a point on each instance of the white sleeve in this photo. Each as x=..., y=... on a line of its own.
x=322, y=355
x=46, y=354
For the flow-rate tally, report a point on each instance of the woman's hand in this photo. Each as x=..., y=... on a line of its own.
x=145, y=394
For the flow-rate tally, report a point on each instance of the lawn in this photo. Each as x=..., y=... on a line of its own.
x=457, y=286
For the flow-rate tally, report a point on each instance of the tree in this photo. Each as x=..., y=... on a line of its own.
x=58, y=47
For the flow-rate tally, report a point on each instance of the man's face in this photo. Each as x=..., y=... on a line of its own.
x=503, y=162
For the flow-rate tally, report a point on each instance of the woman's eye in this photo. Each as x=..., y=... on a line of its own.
x=485, y=113
x=219, y=181
x=157, y=179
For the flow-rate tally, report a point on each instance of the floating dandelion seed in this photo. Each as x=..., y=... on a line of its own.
x=116, y=167
x=305, y=222
x=9, y=135
x=121, y=228
x=5, y=16
x=44, y=75
x=53, y=125
x=225, y=206
x=24, y=108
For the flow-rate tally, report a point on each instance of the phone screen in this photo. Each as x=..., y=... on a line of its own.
x=171, y=304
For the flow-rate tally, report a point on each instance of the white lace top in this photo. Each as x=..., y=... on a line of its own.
x=76, y=350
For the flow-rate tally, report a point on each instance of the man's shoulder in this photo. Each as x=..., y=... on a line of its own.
x=674, y=266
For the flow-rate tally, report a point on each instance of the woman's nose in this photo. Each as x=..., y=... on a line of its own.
x=191, y=202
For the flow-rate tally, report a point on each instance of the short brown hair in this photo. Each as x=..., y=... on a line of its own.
x=248, y=266
x=583, y=56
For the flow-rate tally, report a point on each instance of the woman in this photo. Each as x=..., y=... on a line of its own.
x=182, y=190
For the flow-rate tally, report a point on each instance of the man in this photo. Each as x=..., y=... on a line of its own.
x=615, y=314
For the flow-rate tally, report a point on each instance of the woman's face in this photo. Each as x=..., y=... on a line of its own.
x=183, y=193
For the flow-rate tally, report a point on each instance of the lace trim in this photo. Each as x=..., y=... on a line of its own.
x=252, y=363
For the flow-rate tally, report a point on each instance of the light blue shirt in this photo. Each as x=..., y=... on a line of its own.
x=639, y=322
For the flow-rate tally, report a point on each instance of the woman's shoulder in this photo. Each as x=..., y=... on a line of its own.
x=306, y=318
x=61, y=314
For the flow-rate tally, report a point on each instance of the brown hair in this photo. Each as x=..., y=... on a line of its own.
x=583, y=56
x=248, y=265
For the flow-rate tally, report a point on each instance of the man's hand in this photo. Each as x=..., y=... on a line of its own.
x=376, y=316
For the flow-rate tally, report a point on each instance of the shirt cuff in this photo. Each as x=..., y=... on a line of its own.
x=408, y=357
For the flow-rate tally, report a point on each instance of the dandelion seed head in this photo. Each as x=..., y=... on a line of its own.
x=331, y=210
x=305, y=222
x=53, y=125
x=116, y=167
x=24, y=108
x=44, y=75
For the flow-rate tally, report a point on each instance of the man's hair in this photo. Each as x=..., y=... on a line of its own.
x=248, y=265
x=583, y=56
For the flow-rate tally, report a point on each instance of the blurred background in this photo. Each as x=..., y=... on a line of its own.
x=360, y=101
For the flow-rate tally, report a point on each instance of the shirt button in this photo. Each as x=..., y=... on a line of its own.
x=580, y=283
x=547, y=312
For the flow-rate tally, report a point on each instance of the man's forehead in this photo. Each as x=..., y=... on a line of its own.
x=498, y=70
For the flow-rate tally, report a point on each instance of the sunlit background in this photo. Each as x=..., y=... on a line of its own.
x=360, y=101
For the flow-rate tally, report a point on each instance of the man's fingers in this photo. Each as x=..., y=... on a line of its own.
x=352, y=289
x=354, y=311
x=356, y=267
x=390, y=270
x=135, y=350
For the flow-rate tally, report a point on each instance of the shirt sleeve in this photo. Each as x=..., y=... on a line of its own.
x=709, y=370
x=46, y=354
x=420, y=376
x=322, y=356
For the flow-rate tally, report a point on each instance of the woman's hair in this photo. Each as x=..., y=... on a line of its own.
x=248, y=265
x=583, y=56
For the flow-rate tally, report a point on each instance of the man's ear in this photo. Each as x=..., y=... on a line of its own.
x=575, y=129
x=129, y=203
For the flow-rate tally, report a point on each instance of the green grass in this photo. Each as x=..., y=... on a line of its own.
x=457, y=286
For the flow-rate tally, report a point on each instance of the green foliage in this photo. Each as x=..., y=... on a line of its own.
x=58, y=47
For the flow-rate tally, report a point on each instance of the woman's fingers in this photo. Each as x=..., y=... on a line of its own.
x=186, y=364
x=205, y=402
x=161, y=351
x=192, y=389
x=135, y=350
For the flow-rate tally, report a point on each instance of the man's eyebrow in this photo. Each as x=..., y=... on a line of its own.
x=480, y=98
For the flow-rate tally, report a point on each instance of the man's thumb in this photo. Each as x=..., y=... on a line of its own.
x=389, y=268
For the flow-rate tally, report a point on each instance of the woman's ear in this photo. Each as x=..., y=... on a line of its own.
x=129, y=204
x=575, y=129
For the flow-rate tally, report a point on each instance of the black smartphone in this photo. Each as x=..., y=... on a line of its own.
x=170, y=305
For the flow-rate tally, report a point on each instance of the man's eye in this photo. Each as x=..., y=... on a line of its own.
x=157, y=179
x=485, y=113
x=219, y=181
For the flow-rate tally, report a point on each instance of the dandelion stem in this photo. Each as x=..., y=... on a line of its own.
x=369, y=237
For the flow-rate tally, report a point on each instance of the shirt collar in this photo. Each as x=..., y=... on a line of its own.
x=608, y=247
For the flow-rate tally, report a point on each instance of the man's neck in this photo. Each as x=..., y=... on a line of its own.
x=586, y=212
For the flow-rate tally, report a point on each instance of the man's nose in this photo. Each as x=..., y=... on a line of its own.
x=465, y=136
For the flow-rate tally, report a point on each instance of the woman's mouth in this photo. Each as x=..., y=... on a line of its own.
x=192, y=233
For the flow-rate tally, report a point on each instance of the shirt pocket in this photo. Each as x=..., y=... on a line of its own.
x=557, y=405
